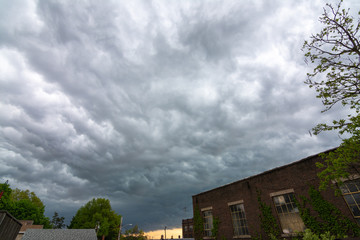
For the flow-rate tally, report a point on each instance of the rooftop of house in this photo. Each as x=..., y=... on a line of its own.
x=57, y=234
x=28, y=224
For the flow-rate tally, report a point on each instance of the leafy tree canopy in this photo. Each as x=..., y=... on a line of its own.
x=97, y=213
x=18, y=195
x=23, y=205
x=5, y=201
x=335, y=51
x=134, y=233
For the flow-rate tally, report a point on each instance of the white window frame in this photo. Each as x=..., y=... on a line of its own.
x=207, y=221
x=239, y=202
x=282, y=215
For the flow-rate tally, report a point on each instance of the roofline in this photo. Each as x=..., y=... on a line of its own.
x=6, y=212
x=266, y=172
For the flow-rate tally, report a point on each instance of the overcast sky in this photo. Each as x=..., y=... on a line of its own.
x=147, y=103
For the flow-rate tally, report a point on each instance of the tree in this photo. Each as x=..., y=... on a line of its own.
x=18, y=195
x=5, y=201
x=134, y=233
x=23, y=205
x=57, y=222
x=336, y=78
x=97, y=212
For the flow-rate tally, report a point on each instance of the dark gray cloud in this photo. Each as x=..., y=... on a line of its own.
x=150, y=102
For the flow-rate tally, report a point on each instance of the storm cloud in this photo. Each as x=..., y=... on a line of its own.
x=147, y=103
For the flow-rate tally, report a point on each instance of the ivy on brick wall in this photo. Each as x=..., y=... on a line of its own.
x=328, y=217
x=215, y=228
x=198, y=224
x=268, y=222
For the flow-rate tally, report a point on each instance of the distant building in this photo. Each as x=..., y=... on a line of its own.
x=188, y=228
x=9, y=226
x=27, y=224
x=60, y=234
x=237, y=208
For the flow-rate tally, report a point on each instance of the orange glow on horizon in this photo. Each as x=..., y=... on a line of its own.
x=174, y=232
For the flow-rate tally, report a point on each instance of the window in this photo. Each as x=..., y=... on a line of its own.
x=351, y=193
x=288, y=213
x=239, y=220
x=208, y=222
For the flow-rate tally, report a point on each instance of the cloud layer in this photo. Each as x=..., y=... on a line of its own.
x=150, y=102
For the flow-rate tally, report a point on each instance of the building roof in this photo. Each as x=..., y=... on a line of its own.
x=266, y=172
x=11, y=216
x=28, y=224
x=60, y=234
x=9, y=226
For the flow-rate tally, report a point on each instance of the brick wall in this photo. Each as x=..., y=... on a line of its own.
x=297, y=176
x=187, y=228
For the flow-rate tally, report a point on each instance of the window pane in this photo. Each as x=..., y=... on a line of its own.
x=287, y=199
x=344, y=189
x=290, y=219
x=290, y=208
x=239, y=219
x=208, y=223
x=241, y=207
x=349, y=199
x=352, y=187
x=357, y=197
x=357, y=183
x=355, y=210
x=352, y=196
x=281, y=199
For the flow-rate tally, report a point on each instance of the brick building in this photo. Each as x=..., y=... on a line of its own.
x=237, y=208
x=187, y=228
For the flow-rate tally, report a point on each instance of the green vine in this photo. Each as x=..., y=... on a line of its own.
x=328, y=219
x=223, y=238
x=267, y=220
x=215, y=228
x=309, y=235
x=198, y=224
